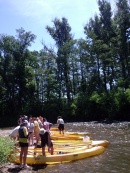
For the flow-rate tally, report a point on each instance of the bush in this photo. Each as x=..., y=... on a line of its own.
x=6, y=146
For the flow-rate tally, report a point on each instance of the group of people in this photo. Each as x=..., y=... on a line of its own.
x=31, y=127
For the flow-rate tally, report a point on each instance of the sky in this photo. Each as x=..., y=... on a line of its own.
x=35, y=15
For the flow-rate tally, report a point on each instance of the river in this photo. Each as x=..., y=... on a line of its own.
x=115, y=159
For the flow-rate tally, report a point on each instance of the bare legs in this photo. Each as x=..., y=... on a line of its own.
x=31, y=139
x=43, y=151
x=23, y=155
x=37, y=137
x=51, y=149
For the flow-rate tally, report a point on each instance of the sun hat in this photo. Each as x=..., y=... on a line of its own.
x=42, y=131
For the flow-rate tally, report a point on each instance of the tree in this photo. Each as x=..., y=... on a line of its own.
x=60, y=32
x=122, y=22
x=15, y=72
x=100, y=35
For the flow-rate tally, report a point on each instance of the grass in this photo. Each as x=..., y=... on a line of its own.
x=6, y=146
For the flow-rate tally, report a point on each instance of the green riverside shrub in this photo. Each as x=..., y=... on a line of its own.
x=6, y=146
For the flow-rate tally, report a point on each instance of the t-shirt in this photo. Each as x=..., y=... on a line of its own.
x=46, y=125
x=30, y=127
x=60, y=121
x=14, y=133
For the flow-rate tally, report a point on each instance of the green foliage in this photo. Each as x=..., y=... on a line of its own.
x=127, y=93
x=85, y=79
x=6, y=146
x=95, y=97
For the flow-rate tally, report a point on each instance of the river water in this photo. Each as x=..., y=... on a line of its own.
x=115, y=159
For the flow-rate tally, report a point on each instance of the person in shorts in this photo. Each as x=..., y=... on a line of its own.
x=31, y=132
x=60, y=123
x=46, y=141
x=23, y=143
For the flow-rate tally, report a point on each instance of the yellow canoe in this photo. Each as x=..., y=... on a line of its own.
x=69, y=133
x=77, y=133
x=78, y=143
x=57, y=150
x=55, y=135
x=54, y=129
x=58, y=158
x=103, y=143
x=66, y=137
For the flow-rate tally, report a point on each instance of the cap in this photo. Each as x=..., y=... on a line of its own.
x=42, y=131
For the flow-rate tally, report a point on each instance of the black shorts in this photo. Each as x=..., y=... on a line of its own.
x=61, y=127
x=44, y=143
x=21, y=144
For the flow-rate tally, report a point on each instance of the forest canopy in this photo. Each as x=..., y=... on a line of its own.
x=80, y=79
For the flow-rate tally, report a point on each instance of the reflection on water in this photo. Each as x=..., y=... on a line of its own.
x=115, y=159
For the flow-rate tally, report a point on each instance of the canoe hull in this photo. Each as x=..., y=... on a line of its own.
x=67, y=137
x=103, y=143
x=58, y=158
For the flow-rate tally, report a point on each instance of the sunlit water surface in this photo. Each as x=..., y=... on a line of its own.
x=115, y=159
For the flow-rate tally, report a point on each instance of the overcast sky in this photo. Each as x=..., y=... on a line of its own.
x=35, y=15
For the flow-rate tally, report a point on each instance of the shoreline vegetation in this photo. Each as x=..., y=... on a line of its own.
x=5, y=147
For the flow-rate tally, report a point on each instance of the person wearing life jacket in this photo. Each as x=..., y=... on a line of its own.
x=23, y=143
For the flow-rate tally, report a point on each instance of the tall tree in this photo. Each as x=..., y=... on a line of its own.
x=60, y=32
x=122, y=21
x=16, y=74
x=100, y=33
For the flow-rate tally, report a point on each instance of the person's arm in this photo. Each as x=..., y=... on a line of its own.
x=25, y=130
x=57, y=121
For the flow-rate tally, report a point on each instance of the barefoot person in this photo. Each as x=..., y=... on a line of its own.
x=23, y=143
x=46, y=140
